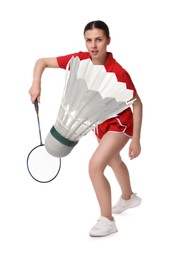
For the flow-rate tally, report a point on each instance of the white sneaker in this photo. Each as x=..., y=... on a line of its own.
x=123, y=205
x=103, y=227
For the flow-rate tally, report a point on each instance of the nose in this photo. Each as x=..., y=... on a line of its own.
x=94, y=44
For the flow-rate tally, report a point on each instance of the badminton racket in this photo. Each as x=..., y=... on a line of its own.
x=42, y=166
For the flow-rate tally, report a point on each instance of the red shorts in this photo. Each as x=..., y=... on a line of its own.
x=123, y=123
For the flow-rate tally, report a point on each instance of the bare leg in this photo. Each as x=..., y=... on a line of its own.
x=110, y=145
x=122, y=176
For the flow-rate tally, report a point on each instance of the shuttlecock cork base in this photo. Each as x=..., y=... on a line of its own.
x=57, y=145
x=91, y=95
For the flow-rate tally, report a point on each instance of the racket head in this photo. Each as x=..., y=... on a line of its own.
x=42, y=166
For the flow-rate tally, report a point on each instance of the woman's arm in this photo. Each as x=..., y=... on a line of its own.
x=39, y=67
x=135, y=147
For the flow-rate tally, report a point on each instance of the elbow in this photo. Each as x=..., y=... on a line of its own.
x=41, y=63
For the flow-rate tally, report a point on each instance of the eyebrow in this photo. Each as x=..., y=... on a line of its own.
x=87, y=38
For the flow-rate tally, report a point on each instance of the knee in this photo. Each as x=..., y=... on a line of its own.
x=95, y=168
x=92, y=167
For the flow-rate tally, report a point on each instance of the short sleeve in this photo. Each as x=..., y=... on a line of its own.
x=125, y=77
x=63, y=60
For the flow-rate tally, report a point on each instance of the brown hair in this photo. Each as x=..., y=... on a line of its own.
x=98, y=25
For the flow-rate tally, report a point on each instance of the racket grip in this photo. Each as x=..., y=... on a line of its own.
x=36, y=106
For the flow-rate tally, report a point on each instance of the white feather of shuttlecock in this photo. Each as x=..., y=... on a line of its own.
x=91, y=95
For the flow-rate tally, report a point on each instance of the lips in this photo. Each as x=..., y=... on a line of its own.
x=94, y=52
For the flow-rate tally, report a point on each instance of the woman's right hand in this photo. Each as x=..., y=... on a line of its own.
x=35, y=91
x=40, y=65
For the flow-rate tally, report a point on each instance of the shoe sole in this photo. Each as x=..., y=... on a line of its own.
x=104, y=235
x=118, y=212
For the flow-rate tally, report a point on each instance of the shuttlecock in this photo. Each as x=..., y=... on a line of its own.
x=91, y=95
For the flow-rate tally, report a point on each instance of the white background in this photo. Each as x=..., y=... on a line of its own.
x=52, y=221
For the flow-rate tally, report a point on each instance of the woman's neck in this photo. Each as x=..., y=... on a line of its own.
x=100, y=61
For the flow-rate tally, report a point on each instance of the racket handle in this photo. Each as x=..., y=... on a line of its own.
x=38, y=120
x=36, y=106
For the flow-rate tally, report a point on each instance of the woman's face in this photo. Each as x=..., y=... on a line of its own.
x=96, y=43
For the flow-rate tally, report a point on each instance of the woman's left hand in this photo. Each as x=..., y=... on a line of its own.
x=134, y=149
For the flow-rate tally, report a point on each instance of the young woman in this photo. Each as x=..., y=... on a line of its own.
x=113, y=134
